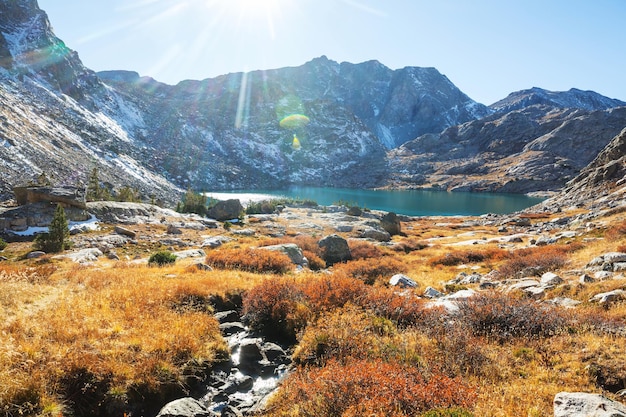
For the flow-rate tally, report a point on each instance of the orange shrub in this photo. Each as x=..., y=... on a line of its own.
x=362, y=250
x=367, y=388
x=468, y=257
x=250, y=260
x=275, y=307
x=616, y=232
x=344, y=334
x=403, y=309
x=315, y=262
x=370, y=270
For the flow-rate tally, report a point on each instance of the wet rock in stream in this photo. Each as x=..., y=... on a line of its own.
x=240, y=386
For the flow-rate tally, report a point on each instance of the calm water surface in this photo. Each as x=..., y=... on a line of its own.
x=409, y=202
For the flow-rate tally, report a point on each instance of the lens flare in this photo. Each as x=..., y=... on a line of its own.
x=294, y=121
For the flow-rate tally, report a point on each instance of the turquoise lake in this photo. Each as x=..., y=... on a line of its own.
x=409, y=202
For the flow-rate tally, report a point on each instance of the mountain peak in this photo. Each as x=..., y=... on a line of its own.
x=573, y=98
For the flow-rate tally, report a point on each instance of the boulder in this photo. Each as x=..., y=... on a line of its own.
x=550, y=278
x=185, y=407
x=401, y=280
x=173, y=230
x=68, y=196
x=83, y=256
x=608, y=297
x=376, y=234
x=125, y=232
x=430, y=292
x=215, y=241
x=581, y=404
x=191, y=253
x=250, y=353
x=290, y=249
x=391, y=223
x=335, y=249
x=35, y=254
x=226, y=210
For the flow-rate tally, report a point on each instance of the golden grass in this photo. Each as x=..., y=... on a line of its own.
x=125, y=327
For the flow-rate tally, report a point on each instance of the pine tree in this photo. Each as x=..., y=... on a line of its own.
x=57, y=238
x=94, y=192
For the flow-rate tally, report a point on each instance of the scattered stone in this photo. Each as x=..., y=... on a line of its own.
x=227, y=316
x=203, y=267
x=125, y=232
x=564, y=302
x=402, y=281
x=550, y=279
x=215, y=241
x=580, y=404
x=335, y=249
x=534, y=292
x=586, y=279
x=185, y=407
x=82, y=256
x=230, y=328
x=430, y=292
x=292, y=250
x=376, y=234
x=344, y=228
x=608, y=297
x=173, y=230
x=244, y=232
x=191, y=253
x=603, y=275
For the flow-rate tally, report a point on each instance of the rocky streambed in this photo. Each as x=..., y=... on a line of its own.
x=241, y=385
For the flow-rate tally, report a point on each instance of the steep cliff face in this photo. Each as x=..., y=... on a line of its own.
x=536, y=148
x=601, y=184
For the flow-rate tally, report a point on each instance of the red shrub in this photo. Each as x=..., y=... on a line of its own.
x=368, y=388
x=275, y=307
x=403, y=309
x=332, y=291
x=370, y=270
x=501, y=317
x=537, y=260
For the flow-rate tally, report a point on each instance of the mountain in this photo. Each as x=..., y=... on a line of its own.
x=574, y=98
x=322, y=123
x=539, y=147
x=601, y=184
x=58, y=118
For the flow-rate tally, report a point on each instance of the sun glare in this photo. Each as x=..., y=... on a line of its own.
x=255, y=13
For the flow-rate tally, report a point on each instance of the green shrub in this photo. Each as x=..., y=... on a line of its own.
x=3, y=244
x=57, y=238
x=162, y=258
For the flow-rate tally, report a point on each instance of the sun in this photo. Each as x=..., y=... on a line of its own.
x=251, y=13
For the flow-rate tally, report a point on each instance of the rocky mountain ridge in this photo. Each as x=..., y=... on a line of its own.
x=321, y=123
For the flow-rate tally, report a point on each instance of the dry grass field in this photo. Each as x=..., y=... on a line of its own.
x=96, y=339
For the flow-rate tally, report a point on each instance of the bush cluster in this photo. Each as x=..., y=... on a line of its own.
x=371, y=270
x=537, y=260
x=368, y=388
x=500, y=317
x=250, y=260
x=468, y=257
x=161, y=258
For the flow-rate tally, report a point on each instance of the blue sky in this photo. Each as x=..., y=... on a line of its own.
x=488, y=48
